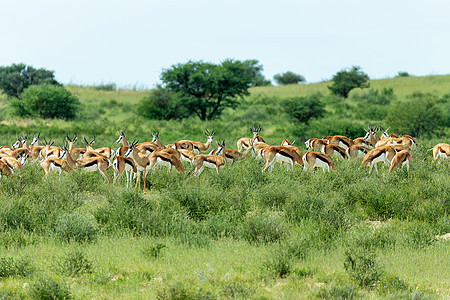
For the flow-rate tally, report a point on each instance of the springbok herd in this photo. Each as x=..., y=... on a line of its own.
x=135, y=158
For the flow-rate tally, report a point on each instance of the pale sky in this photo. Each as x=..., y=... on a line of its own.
x=130, y=42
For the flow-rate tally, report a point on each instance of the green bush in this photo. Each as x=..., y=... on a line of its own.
x=10, y=267
x=48, y=288
x=338, y=292
x=74, y=263
x=418, y=116
x=362, y=266
x=75, y=227
x=263, y=227
x=153, y=251
x=346, y=80
x=303, y=109
x=288, y=78
x=47, y=101
x=279, y=264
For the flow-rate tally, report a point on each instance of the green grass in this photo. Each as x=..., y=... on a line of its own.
x=242, y=234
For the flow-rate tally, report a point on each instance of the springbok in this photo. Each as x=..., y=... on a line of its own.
x=441, y=150
x=210, y=161
x=244, y=142
x=401, y=158
x=380, y=154
x=199, y=146
x=280, y=154
x=314, y=159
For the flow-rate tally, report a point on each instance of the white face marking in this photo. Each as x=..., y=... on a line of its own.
x=120, y=139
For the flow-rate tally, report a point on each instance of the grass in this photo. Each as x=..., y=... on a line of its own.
x=242, y=234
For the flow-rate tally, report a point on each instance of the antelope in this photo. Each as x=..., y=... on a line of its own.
x=361, y=141
x=371, y=136
x=5, y=170
x=16, y=153
x=441, y=150
x=141, y=160
x=384, y=134
x=156, y=140
x=74, y=152
x=356, y=150
x=186, y=155
x=14, y=164
x=199, y=146
x=55, y=163
x=315, y=144
x=164, y=158
x=90, y=151
x=314, y=159
x=281, y=154
x=90, y=164
x=34, y=147
x=244, y=142
x=403, y=157
x=122, y=139
x=48, y=148
x=210, y=161
x=17, y=144
x=384, y=153
x=330, y=149
x=233, y=156
x=340, y=140
x=122, y=163
x=288, y=144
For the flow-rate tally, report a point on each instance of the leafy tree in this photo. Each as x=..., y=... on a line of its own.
x=303, y=109
x=402, y=74
x=346, y=80
x=16, y=78
x=288, y=78
x=47, y=101
x=418, y=116
x=162, y=104
x=206, y=89
x=255, y=71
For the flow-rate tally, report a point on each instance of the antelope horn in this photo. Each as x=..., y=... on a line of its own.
x=93, y=140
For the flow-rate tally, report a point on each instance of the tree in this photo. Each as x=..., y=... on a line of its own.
x=418, y=116
x=255, y=72
x=206, y=89
x=16, y=78
x=162, y=104
x=303, y=109
x=288, y=78
x=47, y=101
x=346, y=80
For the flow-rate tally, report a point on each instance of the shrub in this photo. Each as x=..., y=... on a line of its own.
x=402, y=74
x=303, y=109
x=288, y=78
x=279, y=264
x=76, y=227
x=161, y=104
x=418, y=116
x=74, y=263
x=362, y=266
x=338, y=292
x=263, y=227
x=10, y=267
x=47, y=101
x=153, y=251
x=47, y=288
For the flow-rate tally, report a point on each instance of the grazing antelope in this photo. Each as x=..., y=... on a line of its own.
x=288, y=144
x=199, y=146
x=403, y=157
x=17, y=153
x=356, y=150
x=141, y=160
x=74, y=152
x=384, y=153
x=233, y=156
x=90, y=164
x=361, y=141
x=315, y=144
x=244, y=142
x=441, y=150
x=5, y=170
x=210, y=161
x=280, y=154
x=340, y=140
x=14, y=164
x=53, y=163
x=331, y=149
x=165, y=158
x=314, y=159
x=186, y=155
x=121, y=164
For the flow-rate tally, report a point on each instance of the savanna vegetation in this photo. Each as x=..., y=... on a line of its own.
x=241, y=234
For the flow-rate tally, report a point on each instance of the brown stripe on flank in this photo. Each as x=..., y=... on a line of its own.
x=286, y=154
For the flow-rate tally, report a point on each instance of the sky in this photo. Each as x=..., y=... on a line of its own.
x=130, y=42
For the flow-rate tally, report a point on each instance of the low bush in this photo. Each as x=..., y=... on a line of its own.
x=362, y=266
x=153, y=251
x=75, y=227
x=48, y=288
x=262, y=227
x=338, y=291
x=74, y=263
x=10, y=267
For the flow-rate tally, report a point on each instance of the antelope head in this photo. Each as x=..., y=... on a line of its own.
x=221, y=147
x=35, y=139
x=256, y=129
x=209, y=135
x=121, y=136
x=132, y=146
x=155, y=136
